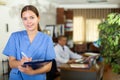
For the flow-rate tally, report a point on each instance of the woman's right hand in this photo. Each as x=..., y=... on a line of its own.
x=14, y=63
x=25, y=59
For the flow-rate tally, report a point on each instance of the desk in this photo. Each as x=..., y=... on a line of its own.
x=94, y=73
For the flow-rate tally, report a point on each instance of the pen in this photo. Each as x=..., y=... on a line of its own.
x=24, y=54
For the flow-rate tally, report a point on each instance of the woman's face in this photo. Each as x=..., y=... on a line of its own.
x=30, y=20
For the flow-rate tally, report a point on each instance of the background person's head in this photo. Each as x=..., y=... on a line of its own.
x=30, y=17
x=62, y=40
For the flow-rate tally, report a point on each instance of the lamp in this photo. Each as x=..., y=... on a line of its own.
x=2, y=2
x=97, y=43
x=46, y=31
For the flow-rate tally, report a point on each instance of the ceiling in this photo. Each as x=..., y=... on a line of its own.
x=2, y=2
x=87, y=3
x=83, y=1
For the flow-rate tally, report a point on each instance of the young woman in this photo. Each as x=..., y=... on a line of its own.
x=33, y=43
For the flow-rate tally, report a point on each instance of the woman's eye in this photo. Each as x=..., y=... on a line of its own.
x=31, y=17
x=24, y=18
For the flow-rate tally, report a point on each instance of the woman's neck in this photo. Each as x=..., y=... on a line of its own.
x=32, y=32
x=31, y=35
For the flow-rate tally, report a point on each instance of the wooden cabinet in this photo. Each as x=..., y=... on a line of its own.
x=69, y=14
x=60, y=16
x=68, y=33
x=65, y=17
x=69, y=23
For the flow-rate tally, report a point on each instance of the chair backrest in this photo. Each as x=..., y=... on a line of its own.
x=52, y=74
x=80, y=48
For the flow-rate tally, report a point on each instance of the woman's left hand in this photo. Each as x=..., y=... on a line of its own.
x=27, y=70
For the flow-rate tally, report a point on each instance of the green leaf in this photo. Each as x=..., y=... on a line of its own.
x=110, y=40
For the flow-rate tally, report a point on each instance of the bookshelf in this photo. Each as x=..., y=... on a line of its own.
x=65, y=17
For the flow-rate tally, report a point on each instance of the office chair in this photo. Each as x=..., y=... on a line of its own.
x=53, y=73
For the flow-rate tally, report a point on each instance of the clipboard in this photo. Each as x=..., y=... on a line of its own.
x=35, y=64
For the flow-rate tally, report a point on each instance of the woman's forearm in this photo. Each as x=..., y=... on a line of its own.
x=43, y=69
x=14, y=63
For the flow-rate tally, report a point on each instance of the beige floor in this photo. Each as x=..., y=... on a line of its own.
x=109, y=75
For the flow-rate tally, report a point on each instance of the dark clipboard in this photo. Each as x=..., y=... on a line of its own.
x=35, y=64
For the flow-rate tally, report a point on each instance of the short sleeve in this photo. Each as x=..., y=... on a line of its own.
x=10, y=48
x=50, y=53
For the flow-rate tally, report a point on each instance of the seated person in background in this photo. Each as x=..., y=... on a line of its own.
x=63, y=53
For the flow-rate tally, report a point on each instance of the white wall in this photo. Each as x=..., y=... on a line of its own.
x=3, y=33
x=4, y=19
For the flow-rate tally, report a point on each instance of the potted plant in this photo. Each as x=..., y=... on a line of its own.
x=110, y=40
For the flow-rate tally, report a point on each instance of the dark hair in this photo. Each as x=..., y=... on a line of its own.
x=61, y=36
x=33, y=9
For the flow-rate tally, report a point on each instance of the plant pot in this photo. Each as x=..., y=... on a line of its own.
x=109, y=74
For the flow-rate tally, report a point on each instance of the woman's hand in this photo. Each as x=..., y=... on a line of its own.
x=27, y=70
x=25, y=59
x=30, y=71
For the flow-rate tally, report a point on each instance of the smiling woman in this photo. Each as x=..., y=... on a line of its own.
x=35, y=45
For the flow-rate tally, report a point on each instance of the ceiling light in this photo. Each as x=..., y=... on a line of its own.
x=95, y=1
x=2, y=2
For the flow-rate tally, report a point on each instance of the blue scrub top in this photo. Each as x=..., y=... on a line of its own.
x=40, y=48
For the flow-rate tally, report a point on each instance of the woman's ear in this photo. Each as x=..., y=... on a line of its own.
x=38, y=18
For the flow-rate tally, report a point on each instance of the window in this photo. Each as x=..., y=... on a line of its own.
x=85, y=24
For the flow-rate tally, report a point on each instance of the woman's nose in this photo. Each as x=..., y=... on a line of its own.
x=28, y=21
